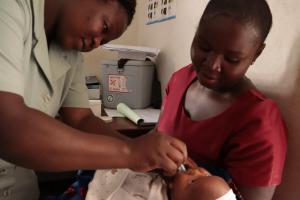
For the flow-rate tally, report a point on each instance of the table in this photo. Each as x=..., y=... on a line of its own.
x=128, y=128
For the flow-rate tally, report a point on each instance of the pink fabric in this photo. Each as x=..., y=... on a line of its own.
x=248, y=139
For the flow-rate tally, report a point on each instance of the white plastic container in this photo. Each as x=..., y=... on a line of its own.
x=131, y=84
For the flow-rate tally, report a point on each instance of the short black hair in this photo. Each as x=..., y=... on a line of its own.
x=129, y=6
x=254, y=12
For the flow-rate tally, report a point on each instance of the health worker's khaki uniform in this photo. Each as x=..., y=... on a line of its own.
x=47, y=79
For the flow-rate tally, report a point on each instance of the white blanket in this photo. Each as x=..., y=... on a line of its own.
x=124, y=184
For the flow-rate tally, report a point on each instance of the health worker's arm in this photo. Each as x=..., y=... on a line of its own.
x=84, y=119
x=34, y=140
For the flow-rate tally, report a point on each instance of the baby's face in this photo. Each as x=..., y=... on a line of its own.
x=185, y=183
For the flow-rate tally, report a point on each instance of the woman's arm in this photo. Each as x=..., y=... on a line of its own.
x=257, y=193
x=84, y=120
x=34, y=140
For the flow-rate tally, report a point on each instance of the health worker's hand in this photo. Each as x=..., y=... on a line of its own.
x=190, y=163
x=157, y=151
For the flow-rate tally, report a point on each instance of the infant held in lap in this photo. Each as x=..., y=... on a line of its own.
x=124, y=184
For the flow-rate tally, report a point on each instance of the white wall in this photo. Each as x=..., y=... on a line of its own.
x=173, y=37
x=276, y=72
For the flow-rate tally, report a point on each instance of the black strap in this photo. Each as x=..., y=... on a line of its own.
x=122, y=62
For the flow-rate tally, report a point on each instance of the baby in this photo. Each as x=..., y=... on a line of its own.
x=124, y=184
x=199, y=184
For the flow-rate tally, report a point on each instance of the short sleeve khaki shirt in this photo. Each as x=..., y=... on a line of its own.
x=47, y=78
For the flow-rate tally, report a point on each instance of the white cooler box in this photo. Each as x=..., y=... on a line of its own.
x=131, y=84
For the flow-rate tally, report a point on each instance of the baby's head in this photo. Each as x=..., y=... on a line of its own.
x=229, y=38
x=197, y=184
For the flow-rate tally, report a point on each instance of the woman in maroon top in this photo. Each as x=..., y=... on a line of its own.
x=217, y=111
